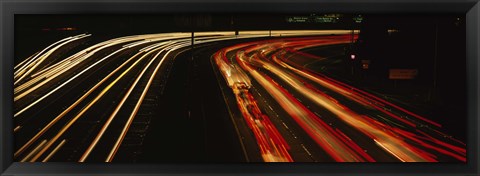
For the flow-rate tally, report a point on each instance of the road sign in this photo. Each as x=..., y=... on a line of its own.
x=402, y=73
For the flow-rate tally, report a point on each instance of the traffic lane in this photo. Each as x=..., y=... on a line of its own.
x=383, y=118
x=369, y=97
x=104, y=59
x=86, y=53
x=387, y=114
x=32, y=95
x=322, y=144
x=380, y=143
x=364, y=124
x=85, y=121
x=297, y=149
x=79, y=102
x=364, y=141
x=302, y=147
x=334, y=87
x=139, y=78
x=43, y=58
x=231, y=54
x=332, y=120
x=53, y=105
x=39, y=115
x=385, y=111
x=325, y=136
x=300, y=151
x=119, y=118
x=251, y=147
x=384, y=140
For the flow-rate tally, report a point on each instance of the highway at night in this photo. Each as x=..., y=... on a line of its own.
x=246, y=97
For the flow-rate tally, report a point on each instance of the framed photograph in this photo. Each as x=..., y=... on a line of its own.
x=239, y=88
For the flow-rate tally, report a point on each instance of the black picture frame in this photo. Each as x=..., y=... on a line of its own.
x=8, y=8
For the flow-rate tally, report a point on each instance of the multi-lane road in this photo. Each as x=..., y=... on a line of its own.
x=247, y=97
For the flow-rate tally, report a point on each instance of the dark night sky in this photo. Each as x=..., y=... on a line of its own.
x=166, y=22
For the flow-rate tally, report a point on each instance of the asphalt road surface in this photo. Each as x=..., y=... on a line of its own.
x=227, y=98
